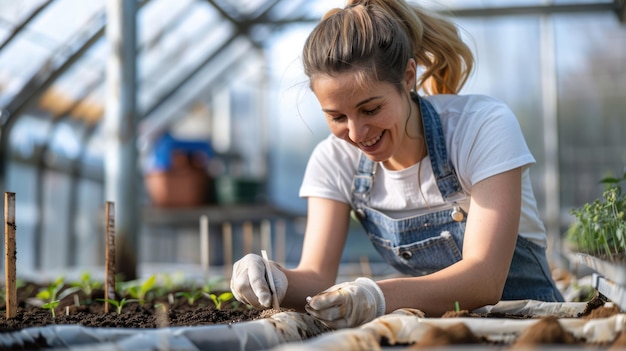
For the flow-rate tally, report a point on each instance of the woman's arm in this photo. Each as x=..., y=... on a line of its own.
x=324, y=240
x=488, y=246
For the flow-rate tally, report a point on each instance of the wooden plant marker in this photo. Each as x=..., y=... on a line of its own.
x=109, y=274
x=266, y=236
x=11, y=254
x=270, y=277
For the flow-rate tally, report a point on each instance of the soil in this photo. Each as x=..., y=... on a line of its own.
x=170, y=309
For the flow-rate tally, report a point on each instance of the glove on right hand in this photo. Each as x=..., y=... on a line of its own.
x=249, y=282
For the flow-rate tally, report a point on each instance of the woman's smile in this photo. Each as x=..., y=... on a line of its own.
x=372, y=141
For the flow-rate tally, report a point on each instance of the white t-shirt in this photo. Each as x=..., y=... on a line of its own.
x=483, y=138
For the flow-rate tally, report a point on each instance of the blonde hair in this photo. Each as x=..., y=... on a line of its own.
x=376, y=39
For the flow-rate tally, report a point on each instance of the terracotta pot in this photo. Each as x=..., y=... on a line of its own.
x=187, y=187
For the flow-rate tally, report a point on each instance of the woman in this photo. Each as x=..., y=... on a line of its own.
x=439, y=182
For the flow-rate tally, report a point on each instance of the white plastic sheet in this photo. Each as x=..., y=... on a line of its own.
x=297, y=332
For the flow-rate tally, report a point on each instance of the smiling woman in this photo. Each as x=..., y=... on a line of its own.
x=366, y=63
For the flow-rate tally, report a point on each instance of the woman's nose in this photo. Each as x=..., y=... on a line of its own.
x=356, y=130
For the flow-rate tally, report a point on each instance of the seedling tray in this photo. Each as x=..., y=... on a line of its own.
x=614, y=271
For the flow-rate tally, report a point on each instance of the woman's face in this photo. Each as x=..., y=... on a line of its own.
x=372, y=118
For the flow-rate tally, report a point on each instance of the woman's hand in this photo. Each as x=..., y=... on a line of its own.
x=249, y=281
x=348, y=304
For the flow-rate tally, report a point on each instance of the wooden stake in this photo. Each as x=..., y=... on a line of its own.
x=204, y=245
x=10, y=251
x=109, y=275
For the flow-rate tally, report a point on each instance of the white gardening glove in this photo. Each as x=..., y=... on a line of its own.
x=249, y=282
x=348, y=304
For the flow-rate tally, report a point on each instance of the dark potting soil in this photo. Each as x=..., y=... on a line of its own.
x=168, y=309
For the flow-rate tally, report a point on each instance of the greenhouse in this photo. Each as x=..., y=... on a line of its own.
x=168, y=143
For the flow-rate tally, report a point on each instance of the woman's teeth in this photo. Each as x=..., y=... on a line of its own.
x=372, y=141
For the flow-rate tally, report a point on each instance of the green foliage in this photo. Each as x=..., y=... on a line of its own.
x=119, y=304
x=220, y=299
x=600, y=226
x=52, y=295
x=191, y=296
x=86, y=284
x=138, y=289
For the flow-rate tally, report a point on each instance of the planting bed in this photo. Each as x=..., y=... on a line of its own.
x=202, y=326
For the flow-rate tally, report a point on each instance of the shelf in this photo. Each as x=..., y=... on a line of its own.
x=216, y=214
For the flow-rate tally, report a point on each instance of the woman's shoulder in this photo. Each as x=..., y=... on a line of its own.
x=464, y=103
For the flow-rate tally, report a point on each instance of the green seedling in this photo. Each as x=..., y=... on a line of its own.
x=137, y=289
x=220, y=299
x=457, y=308
x=600, y=226
x=87, y=284
x=191, y=296
x=166, y=283
x=51, y=297
x=119, y=304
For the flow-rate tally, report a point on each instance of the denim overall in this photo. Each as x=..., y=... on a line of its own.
x=426, y=243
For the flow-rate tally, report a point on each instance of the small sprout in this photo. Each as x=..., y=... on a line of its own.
x=137, y=289
x=457, y=308
x=119, y=304
x=191, y=296
x=49, y=296
x=220, y=299
x=86, y=284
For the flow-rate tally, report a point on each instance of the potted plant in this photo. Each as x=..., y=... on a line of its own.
x=598, y=238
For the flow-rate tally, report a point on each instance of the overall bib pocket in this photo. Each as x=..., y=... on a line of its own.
x=419, y=257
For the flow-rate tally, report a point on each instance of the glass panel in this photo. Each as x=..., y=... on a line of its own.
x=591, y=53
x=89, y=232
x=21, y=179
x=28, y=134
x=55, y=226
x=14, y=12
x=173, y=52
x=93, y=156
x=36, y=45
x=65, y=143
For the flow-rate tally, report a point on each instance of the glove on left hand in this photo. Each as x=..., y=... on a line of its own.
x=348, y=304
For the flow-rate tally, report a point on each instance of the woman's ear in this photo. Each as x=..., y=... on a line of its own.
x=410, y=75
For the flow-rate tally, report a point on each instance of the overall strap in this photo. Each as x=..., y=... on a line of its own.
x=363, y=181
x=445, y=174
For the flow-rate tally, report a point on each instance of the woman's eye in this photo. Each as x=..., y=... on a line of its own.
x=337, y=119
x=372, y=111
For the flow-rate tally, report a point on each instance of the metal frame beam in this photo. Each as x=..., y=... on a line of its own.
x=538, y=10
x=617, y=6
x=24, y=23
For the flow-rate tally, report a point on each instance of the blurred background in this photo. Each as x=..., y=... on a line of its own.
x=194, y=117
